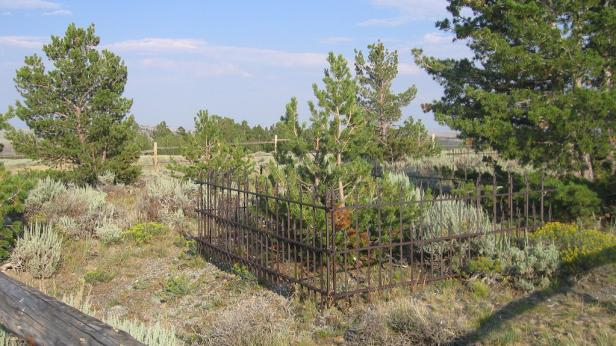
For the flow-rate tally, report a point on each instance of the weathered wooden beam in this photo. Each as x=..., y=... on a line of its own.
x=42, y=320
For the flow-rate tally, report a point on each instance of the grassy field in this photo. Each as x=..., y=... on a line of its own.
x=165, y=282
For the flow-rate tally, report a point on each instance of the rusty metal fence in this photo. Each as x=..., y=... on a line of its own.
x=293, y=237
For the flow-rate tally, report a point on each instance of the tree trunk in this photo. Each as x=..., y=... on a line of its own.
x=588, y=171
x=42, y=320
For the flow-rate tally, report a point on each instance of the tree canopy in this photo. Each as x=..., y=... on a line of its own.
x=329, y=153
x=209, y=151
x=539, y=87
x=383, y=107
x=75, y=111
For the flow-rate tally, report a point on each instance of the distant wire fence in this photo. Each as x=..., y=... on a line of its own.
x=333, y=251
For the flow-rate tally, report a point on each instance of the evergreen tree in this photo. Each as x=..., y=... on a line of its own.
x=383, y=108
x=3, y=126
x=539, y=87
x=76, y=110
x=161, y=130
x=409, y=140
x=329, y=154
x=208, y=150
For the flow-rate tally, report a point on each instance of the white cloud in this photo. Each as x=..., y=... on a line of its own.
x=394, y=21
x=436, y=38
x=21, y=41
x=191, y=67
x=408, y=69
x=408, y=10
x=337, y=40
x=266, y=56
x=157, y=44
x=29, y=5
x=220, y=53
x=61, y=12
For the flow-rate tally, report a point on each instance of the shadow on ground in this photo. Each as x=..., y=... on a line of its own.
x=565, y=285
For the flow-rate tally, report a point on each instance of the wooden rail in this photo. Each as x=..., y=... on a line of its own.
x=42, y=320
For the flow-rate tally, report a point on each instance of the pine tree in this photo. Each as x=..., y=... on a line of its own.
x=382, y=106
x=328, y=155
x=210, y=152
x=76, y=110
x=539, y=87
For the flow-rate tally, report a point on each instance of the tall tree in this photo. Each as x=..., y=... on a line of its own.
x=76, y=110
x=4, y=125
x=161, y=130
x=328, y=154
x=376, y=74
x=539, y=86
x=209, y=151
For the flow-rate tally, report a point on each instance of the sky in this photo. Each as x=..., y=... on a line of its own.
x=242, y=59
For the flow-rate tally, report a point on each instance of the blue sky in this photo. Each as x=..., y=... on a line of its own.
x=243, y=59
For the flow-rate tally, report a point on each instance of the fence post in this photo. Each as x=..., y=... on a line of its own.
x=155, y=156
x=494, y=194
x=542, y=194
x=526, y=203
x=275, y=143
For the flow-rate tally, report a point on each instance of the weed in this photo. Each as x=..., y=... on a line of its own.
x=479, y=289
x=244, y=273
x=143, y=233
x=177, y=286
x=98, y=276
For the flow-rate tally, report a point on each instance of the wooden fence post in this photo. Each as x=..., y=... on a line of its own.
x=275, y=143
x=155, y=156
x=42, y=320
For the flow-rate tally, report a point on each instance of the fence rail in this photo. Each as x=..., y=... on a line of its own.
x=294, y=237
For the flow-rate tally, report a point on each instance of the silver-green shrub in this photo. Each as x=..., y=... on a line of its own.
x=108, y=232
x=86, y=206
x=163, y=194
x=150, y=334
x=531, y=266
x=447, y=216
x=175, y=220
x=6, y=339
x=107, y=178
x=67, y=225
x=44, y=191
x=38, y=251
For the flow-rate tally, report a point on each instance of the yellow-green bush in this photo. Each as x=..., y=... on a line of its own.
x=144, y=232
x=579, y=249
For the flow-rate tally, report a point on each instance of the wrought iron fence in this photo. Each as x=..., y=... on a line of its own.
x=294, y=237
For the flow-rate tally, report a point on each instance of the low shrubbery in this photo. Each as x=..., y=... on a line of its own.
x=404, y=321
x=163, y=195
x=45, y=191
x=14, y=190
x=144, y=232
x=108, y=232
x=580, y=249
x=533, y=262
x=38, y=251
x=152, y=334
x=98, y=276
x=177, y=286
x=448, y=217
x=76, y=211
x=526, y=264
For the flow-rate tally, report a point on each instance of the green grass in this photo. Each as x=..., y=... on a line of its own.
x=98, y=276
